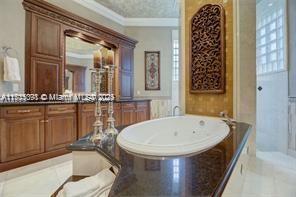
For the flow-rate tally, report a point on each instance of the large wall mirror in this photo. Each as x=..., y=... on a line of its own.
x=81, y=56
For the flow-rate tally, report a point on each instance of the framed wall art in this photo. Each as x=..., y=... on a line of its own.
x=152, y=70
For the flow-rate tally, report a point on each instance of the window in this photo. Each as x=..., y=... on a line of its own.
x=175, y=60
x=270, y=36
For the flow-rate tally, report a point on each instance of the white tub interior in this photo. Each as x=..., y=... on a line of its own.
x=173, y=136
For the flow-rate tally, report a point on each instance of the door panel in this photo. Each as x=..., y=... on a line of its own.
x=60, y=131
x=45, y=76
x=128, y=115
x=21, y=138
x=46, y=38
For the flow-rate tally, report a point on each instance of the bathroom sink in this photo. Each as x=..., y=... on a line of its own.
x=173, y=136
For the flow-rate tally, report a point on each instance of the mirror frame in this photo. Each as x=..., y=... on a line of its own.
x=88, y=39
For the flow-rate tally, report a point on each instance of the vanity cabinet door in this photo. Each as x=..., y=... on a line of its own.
x=45, y=76
x=21, y=137
x=142, y=112
x=117, y=114
x=61, y=126
x=126, y=72
x=46, y=38
x=86, y=119
x=128, y=115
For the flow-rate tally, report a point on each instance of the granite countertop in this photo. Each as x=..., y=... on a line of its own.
x=64, y=102
x=202, y=174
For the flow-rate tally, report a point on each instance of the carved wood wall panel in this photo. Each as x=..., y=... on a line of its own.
x=207, y=58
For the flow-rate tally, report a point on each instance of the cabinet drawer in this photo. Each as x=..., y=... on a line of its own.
x=88, y=107
x=92, y=107
x=142, y=104
x=21, y=111
x=128, y=106
x=61, y=109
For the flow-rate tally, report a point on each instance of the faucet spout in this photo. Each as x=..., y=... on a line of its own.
x=175, y=108
x=227, y=119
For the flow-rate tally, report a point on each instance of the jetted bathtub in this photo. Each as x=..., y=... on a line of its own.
x=173, y=136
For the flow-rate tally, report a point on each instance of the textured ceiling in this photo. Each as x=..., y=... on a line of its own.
x=143, y=8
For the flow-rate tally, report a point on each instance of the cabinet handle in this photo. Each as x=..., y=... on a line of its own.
x=62, y=109
x=241, y=169
x=248, y=150
x=24, y=111
x=43, y=121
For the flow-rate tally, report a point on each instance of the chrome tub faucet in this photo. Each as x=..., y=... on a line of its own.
x=175, y=108
x=227, y=119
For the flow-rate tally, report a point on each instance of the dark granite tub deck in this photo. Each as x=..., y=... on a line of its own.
x=202, y=174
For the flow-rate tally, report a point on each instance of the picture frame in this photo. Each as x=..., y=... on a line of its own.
x=152, y=70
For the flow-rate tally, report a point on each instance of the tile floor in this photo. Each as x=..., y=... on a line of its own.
x=37, y=180
x=271, y=174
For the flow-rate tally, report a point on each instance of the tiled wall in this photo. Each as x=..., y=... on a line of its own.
x=210, y=104
x=292, y=127
x=272, y=112
x=160, y=108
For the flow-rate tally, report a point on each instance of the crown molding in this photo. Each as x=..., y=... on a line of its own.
x=110, y=14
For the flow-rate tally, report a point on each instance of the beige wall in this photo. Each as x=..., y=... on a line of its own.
x=209, y=104
x=12, y=34
x=245, y=65
x=152, y=39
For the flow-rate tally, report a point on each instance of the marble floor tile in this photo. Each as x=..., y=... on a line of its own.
x=260, y=166
x=42, y=182
x=62, y=159
x=3, y=176
x=24, y=170
x=284, y=189
x=285, y=175
x=1, y=188
x=259, y=186
x=63, y=171
x=270, y=174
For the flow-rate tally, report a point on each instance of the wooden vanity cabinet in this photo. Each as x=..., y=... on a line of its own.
x=86, y=117
x=60, y=126
x=22, y=132
x=46, y=29
x=31, y=133
x=125, y=113
x=142, y=111
x=128, y=115
x=44, y=55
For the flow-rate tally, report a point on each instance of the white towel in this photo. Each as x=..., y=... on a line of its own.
x=11, y=69
x=88, y=187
